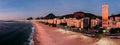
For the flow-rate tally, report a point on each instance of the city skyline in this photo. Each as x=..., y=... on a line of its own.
x=22, y=9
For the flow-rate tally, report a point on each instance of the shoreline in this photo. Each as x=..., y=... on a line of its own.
x=46, y=35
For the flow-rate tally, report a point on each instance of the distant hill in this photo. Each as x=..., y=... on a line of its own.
x=117, y=15
x=80, y=15
x=77, y=15
x=67, y=16
x=50, y=16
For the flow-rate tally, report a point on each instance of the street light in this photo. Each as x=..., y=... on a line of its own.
x=65, y=29
x=80, y=29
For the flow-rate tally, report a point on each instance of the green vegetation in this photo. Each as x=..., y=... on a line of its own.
x=99, y=34
x=114, y=30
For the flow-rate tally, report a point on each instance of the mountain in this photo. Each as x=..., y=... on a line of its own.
x=83, y=14
x=77, y=15
x=117, y=15
x=50, y=16
x=67, y=16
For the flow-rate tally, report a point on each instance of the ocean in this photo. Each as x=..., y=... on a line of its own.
x=16, y=33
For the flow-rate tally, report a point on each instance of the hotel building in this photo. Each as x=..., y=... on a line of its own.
x=105, y=15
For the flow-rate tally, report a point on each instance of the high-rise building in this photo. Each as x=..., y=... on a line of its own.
x=82, y=23
x=117, y=24
x=105, y=15
x=117, y=19
x=55, y=20
x=94, y=22
x=86, y=22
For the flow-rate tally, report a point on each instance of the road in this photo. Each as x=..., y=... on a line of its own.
x=46, y=35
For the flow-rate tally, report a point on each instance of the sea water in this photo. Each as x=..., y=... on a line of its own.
x=16, y=33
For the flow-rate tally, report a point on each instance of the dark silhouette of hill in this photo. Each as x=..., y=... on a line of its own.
x=117, y=15
x=80, y=15
x=67, y=16
x=50, y=16
x=77, y=15
x=30, y=18
x=37, y=18
x=92, y=15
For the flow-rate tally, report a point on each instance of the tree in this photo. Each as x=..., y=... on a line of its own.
x=100, y=31
x=113, y=31
x=119, y=30
x=99, y=34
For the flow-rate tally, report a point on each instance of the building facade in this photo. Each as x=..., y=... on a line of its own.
x=105, y=15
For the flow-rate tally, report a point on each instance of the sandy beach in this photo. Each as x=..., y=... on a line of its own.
x=46, y=35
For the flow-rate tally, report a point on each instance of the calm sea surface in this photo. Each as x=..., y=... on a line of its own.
x=15, y=33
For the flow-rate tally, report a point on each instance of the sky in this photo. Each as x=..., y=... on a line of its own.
x=22, y=9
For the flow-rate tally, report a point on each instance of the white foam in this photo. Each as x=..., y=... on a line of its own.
x=31, y=42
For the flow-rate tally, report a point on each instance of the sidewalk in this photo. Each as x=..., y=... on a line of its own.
x=46, y=35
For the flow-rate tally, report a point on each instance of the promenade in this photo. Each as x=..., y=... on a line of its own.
x=46, y=35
